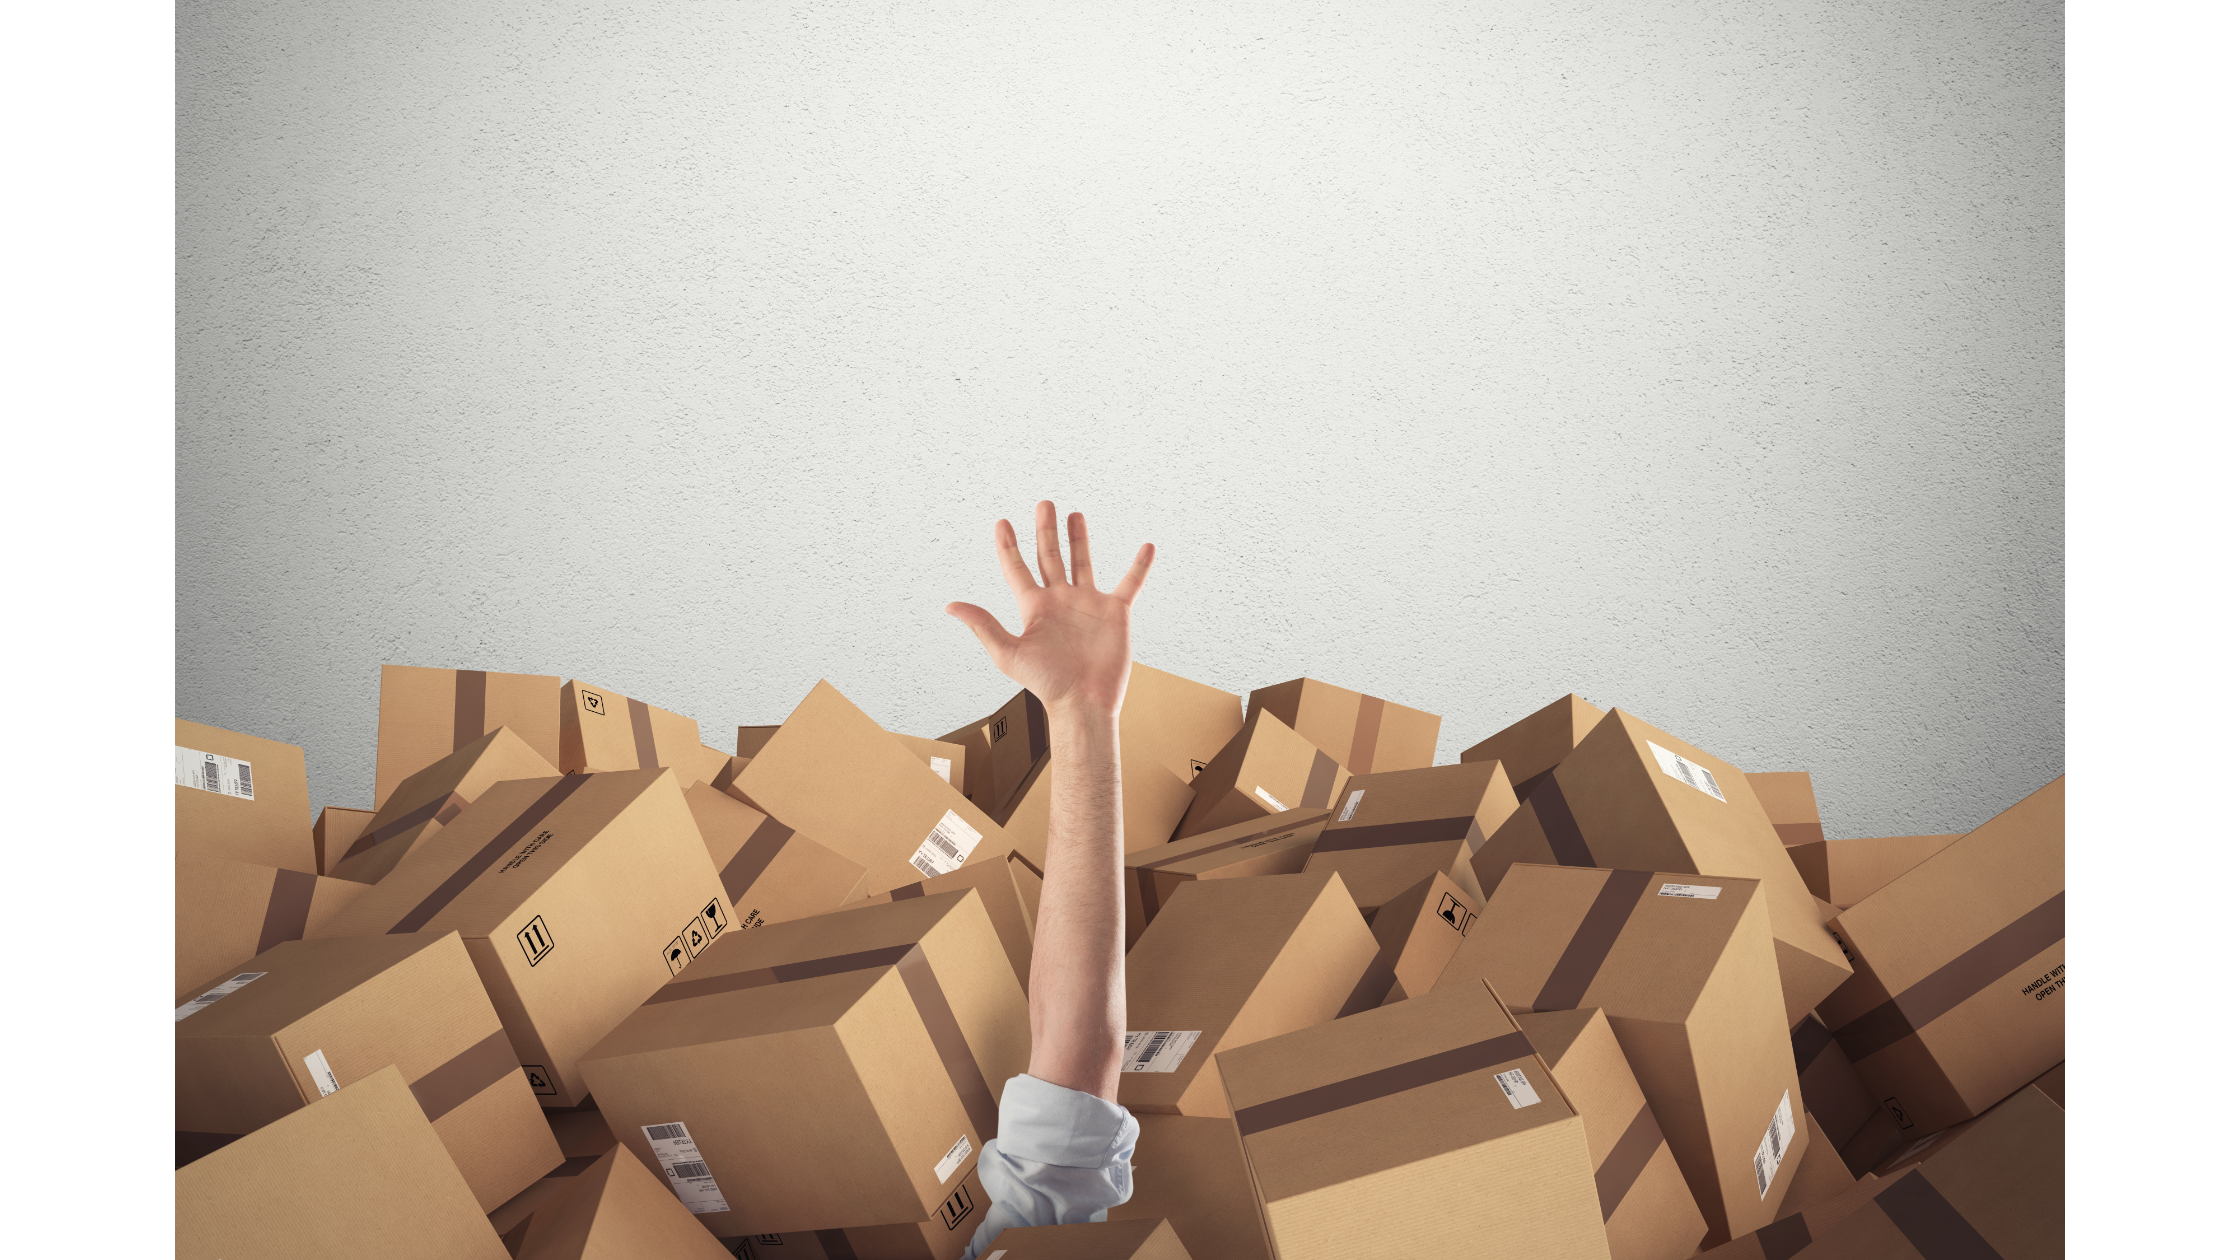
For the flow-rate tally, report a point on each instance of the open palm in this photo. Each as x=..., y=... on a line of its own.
x=1072, y=646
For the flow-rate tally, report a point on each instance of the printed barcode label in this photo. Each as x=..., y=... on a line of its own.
x=1701, y=892
x=940, y=766
x=1774, y=1145
x=1519, y=1090
x=679, y=1157
x=214, y=994
x=945, y=847
x=321, y=1075
x=1687, y=772
x=212, y=772
x=1353, y=802
x=1156, y=1051
x=1262, y=793
x=954, y=1159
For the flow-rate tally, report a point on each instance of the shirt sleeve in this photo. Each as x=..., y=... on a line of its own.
x=1060, y=1157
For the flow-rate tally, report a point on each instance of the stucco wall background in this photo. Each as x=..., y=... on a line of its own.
x=1703, y=358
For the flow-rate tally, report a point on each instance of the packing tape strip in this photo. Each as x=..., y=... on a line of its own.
x=1556, y=823
x=836, y=1245
x=1337, y=838
x=288, y=911
x=1320, y=780
x=1808, y=1040
x=1948, y=986
x=1590, y=943
x=1366, y=722
x=754, y=857
x=465, y=1074
x=641, y=732
x=1370, y=990
x=442, y=811
x=1627, y=1158
x=1384, y=1082
x=1930, y=1222
x=483, y=858
x=1785, y=1237
x=470, y=700
x=1239, y=842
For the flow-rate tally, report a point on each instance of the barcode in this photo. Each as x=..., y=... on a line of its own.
x=924, y=865
x=936, y=839
x=1773, y=1135
x=210, y=775
x=245, y=776
x=246, y=976
x=1151, y=1048
x=664, y=1132
x=688, y=1170
x=1758, y=1163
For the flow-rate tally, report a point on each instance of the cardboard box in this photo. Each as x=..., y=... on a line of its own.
x=1530, y=747
x=1275, y=844
x=321, y=1015
x=1792, y=1232
x=1266, y=768
x=1958, y=998
x=942, y=1237
x=428, y=714
x=946, y=760
x=1418, y=931
x=1152, y=801
x=616, y=1210
x=1682, y=965
x=435, y=795
x=1647, y=1212
x=333, y=832
x=977, y=775
x=770, y=872
x=229, y=912
x=583, y=1137
x=241, y=797
x=1001, y=750
x=1228, y=962
x=1396, y=827
x=1109, y=1240
x=833, y=772
x=2054, y=1084
x=1875, y=1142
x=729, y=775
x=1633, y=797
x=703, y=765
x=998, y=877
x=1786, y=796
x=1821, y=1175
x=577, y=896
x=1190, y=1172
x=602, y=729
x=826, y=1073
x=1366, y=735
x=1844, y=873
x=1832, y=1089
x=752, y=738
x=358, y=1175
x=1181, y=722
x=1430, y=1126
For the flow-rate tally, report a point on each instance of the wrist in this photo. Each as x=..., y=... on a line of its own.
x=1084, y=715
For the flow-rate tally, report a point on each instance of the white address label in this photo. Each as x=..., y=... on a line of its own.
x=945, y=847
x=1353, y=802
x=1701, y=892
x=1519, y=1090
x=321, y=1075
x=940, y=766
x=688, y=1172
x=214, y=994
x=1156, y=1051
x=213, y=772
x=950, y=1162
x=1262, y=793
x=1774, y=1145
x=1687, y=772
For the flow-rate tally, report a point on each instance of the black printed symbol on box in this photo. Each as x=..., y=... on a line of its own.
x=695, y=937
x=1001, y=722
x=593, y=702
x=1197, y=767
x=957, y=1207
x=769, y=1240
x=1897, y=1112
x=1457, y=916
x=536, y=942
x=540, y=1081
x=713, y=919
x=675, y=956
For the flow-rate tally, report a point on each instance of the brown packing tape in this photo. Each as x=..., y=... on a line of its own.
x=908, y=891
x=1384, y=1082
x=836, y=1245
x=1389, y=835
x=1930, y=1222
x=754, y=857
x=465, y=1074
x=486, y=856
x=1793, y=834
x=442, y=811
x=1319, y=781
x=1623, y=1165
x=1557, y=824
x=641, y=731
x=1237, y=843
x=1363, y=755
x=1369, y=991
x=289, y=910
x=469, y=701
x=1807, y=1040
x=1785, y=1237
x=1590, y=943
x=1955, y=982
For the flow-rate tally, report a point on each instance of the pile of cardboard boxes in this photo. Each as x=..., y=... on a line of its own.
x=580, y=985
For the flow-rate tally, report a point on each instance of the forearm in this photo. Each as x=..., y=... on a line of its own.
x=1077, y=1001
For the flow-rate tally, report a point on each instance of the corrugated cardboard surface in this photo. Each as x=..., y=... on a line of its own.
x=428, y=714
x=1182, y=722
x=1531, y=746
x=1276, y=844
x=1418, y=932
x=943, y=1237
x=1366, y=735
x=1391, y=829
x=770, y=872
x=617, y=1210
x=1266, y=768
x=1844, y=873
x=998, y=877
x=1786, y=796
x=1112, y=1240
x=1832, y=1089
x=602, y=729
x=929, y=750
x=274, y=829
x=335, y=829
x=1190, y=1172
x=226, y=912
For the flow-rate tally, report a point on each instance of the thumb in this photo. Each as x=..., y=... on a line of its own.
x=984, y=626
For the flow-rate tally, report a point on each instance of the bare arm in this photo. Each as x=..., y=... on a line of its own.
x=1072, y=653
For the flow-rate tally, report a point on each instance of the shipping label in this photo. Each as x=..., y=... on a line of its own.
x=1701, y=892
x=214, y=994
x=1774, y=1145
x=321, y=1075
x=1156, y=1051
x=1687, y=772
x=1353, y=802
x=688, y=1173
x=954, y=1160
x=1262, y=793
x=212, y=772
x=945, y=847
x=1519, y=1090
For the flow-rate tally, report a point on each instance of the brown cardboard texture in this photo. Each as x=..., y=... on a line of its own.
x=946, y=760
x=770, y=872
x=226, y=913
x=1530, y=747
x=583, y=1137
x=602, y=729
x=1682, y=966
x=833, y=772
x=1647, y=1212
x=1234, y=961
x=1395, y=827
x=703, y=765
x=974, y=774
x=358, y=1175
x=1190, y=1172
x=1844, y=873
x=1419, y=930
x=249, y=801
x=826, y=1073
x=577, y=896
x=1430, y=1126
x=1633, y=797
x=998, y=877
x=436, y=794
x=1274, y=844
x=1365, y=734
x=1832, y=1089
x=942, y=1237
x=1821, y=1175
x=1265, y=769
x=428, y=714
x=617, y=1210
x=1152, y=801
x=1958, y=1000
x=1183, y=723
x=1792, y=1232
x=333, y=832
x=752, y=738
x=1786, y=796
x=1109, y=1240
x=324, y=1014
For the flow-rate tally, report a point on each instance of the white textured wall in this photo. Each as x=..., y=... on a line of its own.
x=1703, y=358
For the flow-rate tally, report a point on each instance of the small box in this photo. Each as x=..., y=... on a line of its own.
x=1391, y=829
x=616, y=1210
x=428, y=714
x=1786, y=796
x=1001, y=750
x=1266, y=768
x=434, y=795
x=1365, y=734
x=228, y=912
x=241, y=798
x=1190, y=1172
x=1106, y=1240
x=1275, y=844
x=770, y=872
x=1418, y=932
x=1181, y=722
x=1000, y=879
x=1532, y=746
x=335, y=829
x=602, y=729
x=1844, y=873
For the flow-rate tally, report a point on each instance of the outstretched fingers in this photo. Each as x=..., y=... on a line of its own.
x=1132, y=580
x=1077, y=529
x=1014, y=567
x=1046, y=555
x=984, y=626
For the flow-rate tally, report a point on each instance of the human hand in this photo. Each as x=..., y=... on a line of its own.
x=1072, y=647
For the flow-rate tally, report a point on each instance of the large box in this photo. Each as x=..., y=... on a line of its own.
x=1958, y=998
x=1231, y=961
x=1633, y=797
x=359, y=1175
x=578, y=897
x=1183, y=723
x=1647, y=1212
x=602, y=729
x=336, y=827
x=1266, y=768
x=229, y=912
x=1682, y=966
x=833, y=772
x=1365, y=734
x=1429, y=1126
x=1531, y=746
x=1001, y=750
x=1832, y=1089
x=320, y=1015
x=1821, y=1175
x=1274, y=844
x=428, y=714
x=827, y=1073
x=770, y=872
x=241, y=797
x=616, y=1210
x=1152, y=801
x=1793, y=1231
x=1110, y=1240
x=583, y=1137
x=1786, y=796
x=1844, y=873
x=1393, y=828
x=943, y=1236
x=1418, y=931
x=1190, y=1172
x=1002, y=879
x=418, y=808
